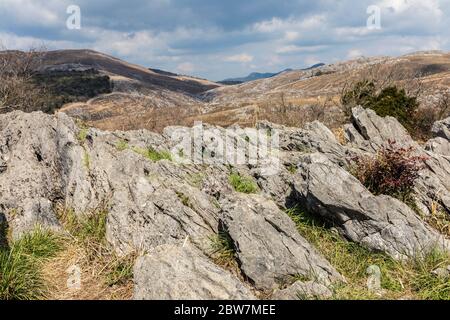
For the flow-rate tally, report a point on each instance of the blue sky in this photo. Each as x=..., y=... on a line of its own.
x=221, y=39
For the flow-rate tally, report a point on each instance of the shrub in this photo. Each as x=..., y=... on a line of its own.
x=243, y=184
x=390, y=101
x=392, y=171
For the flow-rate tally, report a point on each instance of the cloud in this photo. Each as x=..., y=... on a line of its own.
x=185, y=67
x=354, y=53
x=221, y=39
x=243, y=58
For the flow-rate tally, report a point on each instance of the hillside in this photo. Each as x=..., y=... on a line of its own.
x=302, y=92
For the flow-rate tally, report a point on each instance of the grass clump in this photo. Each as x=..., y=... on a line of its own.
x=105, y=270
x=20, y=265
x=88, y=228
x=82, y=135
x=122, y=145
x=184, y=200
x=243, y=184
x=86, y=160
x=411, y=279
x=153, y=154
x=223, y=250
x=120, y=271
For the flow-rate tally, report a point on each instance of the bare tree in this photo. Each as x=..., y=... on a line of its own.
x=18, y=91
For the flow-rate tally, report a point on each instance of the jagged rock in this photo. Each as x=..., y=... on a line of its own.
x=439, y=146
x=315, y=137
x=303, y=291
x=172, y=272
x=375, y=130
x=442, y=128
x=29, y=180
x=377, y=222
x=433, y=186
x=369, y=132
x=268, y=247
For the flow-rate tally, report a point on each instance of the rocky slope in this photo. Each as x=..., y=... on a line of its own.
x=168, y=210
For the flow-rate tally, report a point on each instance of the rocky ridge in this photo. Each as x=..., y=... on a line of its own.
x=168, y=210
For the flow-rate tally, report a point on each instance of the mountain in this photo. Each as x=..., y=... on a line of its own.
x=142, y=98
x=251, y=77
x=257, y=75
x=126, y=72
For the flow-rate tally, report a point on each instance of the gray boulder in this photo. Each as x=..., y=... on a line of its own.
x=370, y=131
x=172, y=272
x=378, y=222
x=442, y=128
x=268, y=246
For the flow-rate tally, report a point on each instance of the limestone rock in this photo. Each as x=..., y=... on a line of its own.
x=172, y=272
x=268, y=247
x=442, y=128
x=377, y=222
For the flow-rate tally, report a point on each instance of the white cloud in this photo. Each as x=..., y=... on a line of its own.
x=185, y=67
x=354, y=53
x=299, y=49
x=33, y=13
x=243, y=58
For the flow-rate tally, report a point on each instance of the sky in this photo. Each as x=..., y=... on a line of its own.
x=221, y=39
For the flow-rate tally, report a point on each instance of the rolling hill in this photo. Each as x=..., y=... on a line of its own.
x=151, y=98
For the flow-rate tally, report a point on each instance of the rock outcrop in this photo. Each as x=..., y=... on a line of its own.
x=381, y=223
x=169, y=209
x=442, y=128
x=171, y=272
x=268, y=247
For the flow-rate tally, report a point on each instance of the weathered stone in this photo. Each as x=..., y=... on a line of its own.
x=439, y=146
x=377, y=222
x=442, y=128
x=172, y=272
x=376, y=130
x=443, y=273
x=268, y=247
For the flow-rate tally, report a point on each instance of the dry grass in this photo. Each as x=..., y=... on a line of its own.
x=93, y=284
x=103, y=274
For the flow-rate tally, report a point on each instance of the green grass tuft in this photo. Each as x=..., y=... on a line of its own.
x=243, y=184
x=153, y=155
x=82, y=135
x=122, y=145
x=20, y=274
x=86, y=160
x=411, y=279
x=120, y=271
x=86, y=228
x=223, y=250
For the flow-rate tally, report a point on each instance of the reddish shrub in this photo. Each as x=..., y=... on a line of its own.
x=392, y=171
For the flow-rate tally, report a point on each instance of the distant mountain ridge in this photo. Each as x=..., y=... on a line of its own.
x=262, y=75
